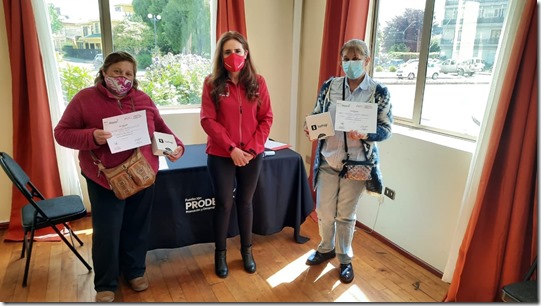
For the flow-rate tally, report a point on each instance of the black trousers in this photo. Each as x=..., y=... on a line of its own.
x=226, y=177
x=120, y=235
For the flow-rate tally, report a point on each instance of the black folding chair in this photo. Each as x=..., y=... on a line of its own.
x=41, y=213
x=523, y=291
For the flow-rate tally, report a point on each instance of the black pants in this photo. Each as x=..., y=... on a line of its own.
x=120, y=235
x=224, y=174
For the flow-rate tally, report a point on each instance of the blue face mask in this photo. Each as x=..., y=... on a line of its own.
x=353, y=69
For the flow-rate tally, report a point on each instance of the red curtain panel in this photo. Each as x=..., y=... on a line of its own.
x=500, y=242
x=230, y=17
x=33, y=142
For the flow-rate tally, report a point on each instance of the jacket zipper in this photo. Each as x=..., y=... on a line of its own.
x=240, y=117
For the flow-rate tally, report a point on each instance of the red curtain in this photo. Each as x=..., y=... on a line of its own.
x=500, y=242
x=33, y=143
x=344, y=20
x=230, y=17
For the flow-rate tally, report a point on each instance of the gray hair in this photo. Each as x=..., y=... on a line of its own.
x=356, y=45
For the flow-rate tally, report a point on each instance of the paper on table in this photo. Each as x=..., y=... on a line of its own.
x=356, y=116
x=129, y=131
x=320, y=125
x=275, y=145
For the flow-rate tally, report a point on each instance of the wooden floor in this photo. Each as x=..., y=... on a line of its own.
x=187, y=274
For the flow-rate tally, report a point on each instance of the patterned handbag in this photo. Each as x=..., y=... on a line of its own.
x=130, y=177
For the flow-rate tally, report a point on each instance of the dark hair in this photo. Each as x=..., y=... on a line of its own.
x=219, y=75
x=113, y=58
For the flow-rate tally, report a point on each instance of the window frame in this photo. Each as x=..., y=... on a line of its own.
x=415, y=121
x=107, y=39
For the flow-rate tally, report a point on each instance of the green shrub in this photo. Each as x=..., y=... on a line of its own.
x=74, y=78
x=379, y=69
x=173, y=80
x=392, y=69
x=144, y=60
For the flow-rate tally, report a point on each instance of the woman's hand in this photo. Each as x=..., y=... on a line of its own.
x=306, y=133
x=240, y=158
x=356, y=135
x=101, y=136
x=173, y=156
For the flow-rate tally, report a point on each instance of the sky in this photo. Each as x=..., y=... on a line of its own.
x=81, y=9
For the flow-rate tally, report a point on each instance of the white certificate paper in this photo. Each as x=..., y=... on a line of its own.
x=356, y=116
x=129, y=131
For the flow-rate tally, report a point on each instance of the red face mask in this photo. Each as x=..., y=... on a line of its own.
x=234, y=62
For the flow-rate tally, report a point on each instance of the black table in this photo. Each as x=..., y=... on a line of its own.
x=184, y=200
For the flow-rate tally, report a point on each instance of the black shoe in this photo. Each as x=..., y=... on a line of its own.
x=220, y=263
x=317, y=257
x=248, y=259
x=346, y=273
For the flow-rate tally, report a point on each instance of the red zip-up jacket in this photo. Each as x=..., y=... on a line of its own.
x=238, y=122
x=84, y=114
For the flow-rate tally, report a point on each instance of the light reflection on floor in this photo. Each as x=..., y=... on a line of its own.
x=297, y=267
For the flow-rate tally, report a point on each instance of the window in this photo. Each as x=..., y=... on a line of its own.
x=446, y=90
x=171, y=42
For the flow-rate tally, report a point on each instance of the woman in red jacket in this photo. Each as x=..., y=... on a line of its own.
x=121, y=227
x=236, y=114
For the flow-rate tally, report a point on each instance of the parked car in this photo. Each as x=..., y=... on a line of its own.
x=449, y=66
x=98, y=60
x=465, y=67
x=395, y=62
x=410, y=71
x=472, y=65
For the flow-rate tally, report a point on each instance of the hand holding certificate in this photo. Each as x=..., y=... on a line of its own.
x=129, y=131
x=356, y=116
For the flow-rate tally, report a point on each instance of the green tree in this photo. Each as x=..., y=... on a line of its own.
x=133, y=35
x=404, y=29
x=184, y=25
x=56, y=24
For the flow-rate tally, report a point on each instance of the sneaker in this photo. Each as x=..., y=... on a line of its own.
x=139, y=283
x=105, y=296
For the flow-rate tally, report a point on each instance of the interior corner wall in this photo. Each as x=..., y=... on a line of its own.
x=270, y=33
x=6, y=118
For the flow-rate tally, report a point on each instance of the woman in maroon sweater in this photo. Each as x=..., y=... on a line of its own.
x=120, y=227
x=236, y=114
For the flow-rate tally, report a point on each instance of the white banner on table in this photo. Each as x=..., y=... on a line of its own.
x=356, y=116
x=129, y=131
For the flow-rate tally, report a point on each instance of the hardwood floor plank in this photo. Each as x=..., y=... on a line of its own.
x=187, y=274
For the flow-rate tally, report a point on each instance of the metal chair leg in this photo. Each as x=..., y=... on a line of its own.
x=72, y=248
x=28, y=256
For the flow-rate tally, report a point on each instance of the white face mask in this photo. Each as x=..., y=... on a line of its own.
x=353, y=69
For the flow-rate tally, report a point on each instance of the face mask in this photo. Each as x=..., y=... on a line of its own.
x=353, y=69
x=118, y=85
x=234, y=62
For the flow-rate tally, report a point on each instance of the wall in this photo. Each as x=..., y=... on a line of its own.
x=428, y=175
x=6, y=120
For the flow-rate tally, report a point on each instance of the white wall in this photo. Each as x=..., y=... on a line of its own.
x=428, y=176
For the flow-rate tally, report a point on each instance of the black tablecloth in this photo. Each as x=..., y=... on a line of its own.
x=184, y=200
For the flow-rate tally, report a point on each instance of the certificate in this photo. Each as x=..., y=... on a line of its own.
x=128, y=131
x=356, y=116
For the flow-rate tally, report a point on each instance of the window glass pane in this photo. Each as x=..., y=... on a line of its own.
x=396, y=55
x=461, y=51
x=467, y=33
x=171, y=41
x=75, y=28
x=169, y=38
